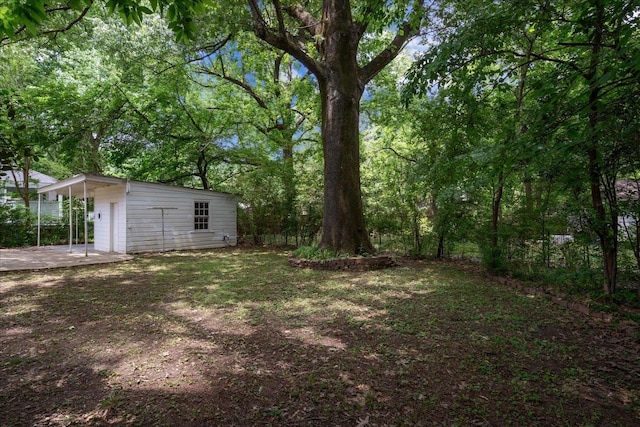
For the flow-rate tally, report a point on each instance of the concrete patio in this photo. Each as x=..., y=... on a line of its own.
x=45, y=257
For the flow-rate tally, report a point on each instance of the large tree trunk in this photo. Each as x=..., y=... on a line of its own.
x=343, y=227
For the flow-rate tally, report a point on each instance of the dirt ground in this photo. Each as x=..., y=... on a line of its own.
x=166, y=340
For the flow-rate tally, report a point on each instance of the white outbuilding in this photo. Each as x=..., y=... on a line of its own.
x=134, y=216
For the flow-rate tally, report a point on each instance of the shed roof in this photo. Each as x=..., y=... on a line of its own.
x=77, y=183
x=36, y=179
x=628, y=189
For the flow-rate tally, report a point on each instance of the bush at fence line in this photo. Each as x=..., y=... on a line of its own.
x=19, y=228
x=54, y=233
x=15, y=227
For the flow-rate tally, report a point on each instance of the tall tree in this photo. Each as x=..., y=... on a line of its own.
x=22, y=128
x=267, y=97
x=327, y=44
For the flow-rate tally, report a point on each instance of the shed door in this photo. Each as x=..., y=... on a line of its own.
x=113, y=227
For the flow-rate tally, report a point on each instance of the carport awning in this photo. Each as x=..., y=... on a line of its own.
x=77, y=184
x=81, y=185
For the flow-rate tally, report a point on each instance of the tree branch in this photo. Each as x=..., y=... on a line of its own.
x=278, y=7
x=71, y=24
x=51, y=11
x=191, y=119
x=135, y=109
x=309, y=23
x=403, y=157
x=212, y=49
x=407, y=31
x=584, y=44
x=282, y=39
x=516, y=54
x=243, y=85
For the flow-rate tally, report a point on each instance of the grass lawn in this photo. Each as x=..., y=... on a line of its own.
x=237, y=337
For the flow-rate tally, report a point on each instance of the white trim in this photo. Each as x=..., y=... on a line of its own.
x=70, y=221
x=39, y=198
x=82, y=178
x=86, y=228
x=195, y=216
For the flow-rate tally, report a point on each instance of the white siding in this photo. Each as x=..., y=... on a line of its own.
x=103, y=198
x=144, y=224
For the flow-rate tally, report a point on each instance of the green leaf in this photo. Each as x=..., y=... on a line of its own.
x=111, y=6
x=136, y=17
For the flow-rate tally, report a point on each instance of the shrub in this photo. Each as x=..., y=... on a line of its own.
x=15, y=227
x=19, y=227
x=314, y=252
x=493, y=259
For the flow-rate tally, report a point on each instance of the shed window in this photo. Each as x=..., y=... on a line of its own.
x=201, y=216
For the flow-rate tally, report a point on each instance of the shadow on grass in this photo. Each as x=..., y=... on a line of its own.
x=237, y=337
